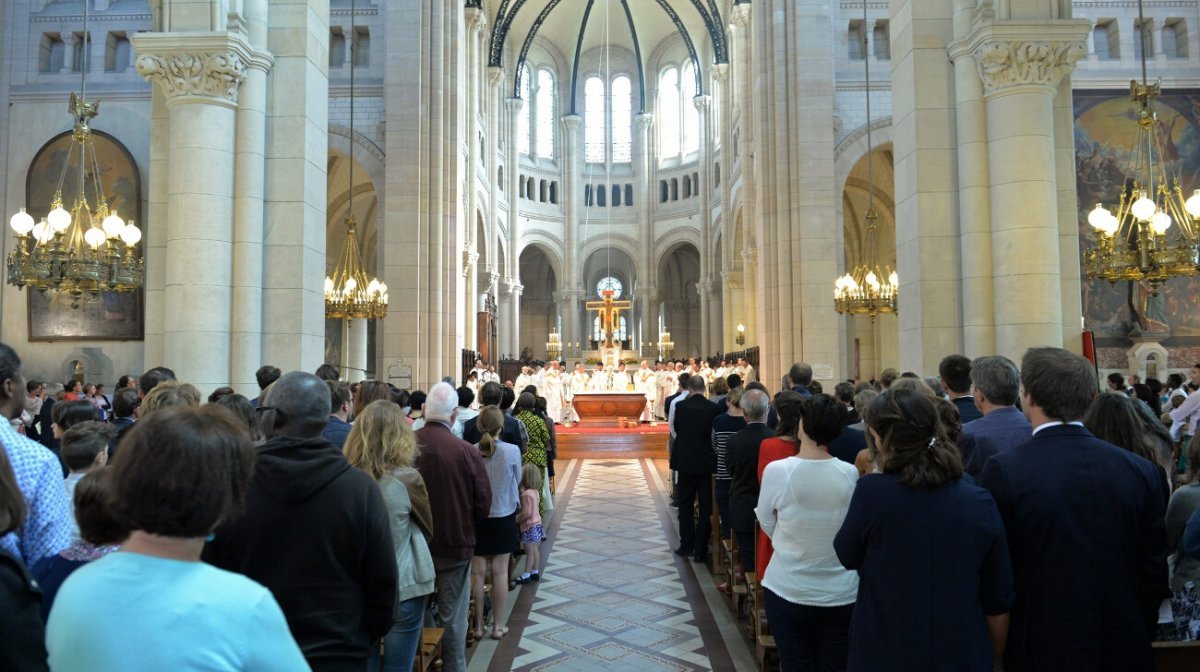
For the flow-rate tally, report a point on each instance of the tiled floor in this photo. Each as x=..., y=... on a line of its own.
x=614, y=597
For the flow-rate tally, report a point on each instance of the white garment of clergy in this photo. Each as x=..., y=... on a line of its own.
x=523, y=381
x=489, y=377
x=722, y=372
x=748, y=375
x=599, y=382
x=621, y=381
x=552, y=390
x=644, y=382
x=579, y=381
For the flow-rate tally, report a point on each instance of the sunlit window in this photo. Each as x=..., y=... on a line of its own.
x=622, y=120
x=545, y=115
x=622, y=332
x=524, y=115
x=668, y=114
x=594, y=122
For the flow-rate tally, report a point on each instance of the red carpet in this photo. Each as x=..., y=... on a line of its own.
x=582, y=430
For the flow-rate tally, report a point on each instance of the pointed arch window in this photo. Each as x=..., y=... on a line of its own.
x=691, y=116
x=593, y=120
x=668, y=114
x=545, y=114
x=524, y=116
x=622, y=120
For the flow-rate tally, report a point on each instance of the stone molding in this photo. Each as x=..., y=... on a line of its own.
x=572, y=121
x=495, y=76
x=196, y=68
x=1014, y=55
x=702, y=102
x=740, y=16
x=644, y=120
x=514, y=105
x=476, y=19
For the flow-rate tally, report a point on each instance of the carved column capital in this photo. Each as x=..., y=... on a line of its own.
x=702, y=102
x=495, y=76
x=476, y=19
x=644, y=120
x=572, y=121
x=720, y=71
x=514, y=105
x=207, y=68
x=1015, y=55
x=739, y=18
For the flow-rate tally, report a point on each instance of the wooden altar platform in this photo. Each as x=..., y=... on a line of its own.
x=591, y=443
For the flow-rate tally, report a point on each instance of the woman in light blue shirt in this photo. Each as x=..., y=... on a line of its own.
x=153, y=605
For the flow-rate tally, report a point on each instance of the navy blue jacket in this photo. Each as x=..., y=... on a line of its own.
x=1085, y=525
x=967, y=410
x=998, y=431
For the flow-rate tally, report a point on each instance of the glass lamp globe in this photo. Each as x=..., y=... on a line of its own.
x=40, y=231
x=1098, y=217
x=1160, y=222
x=1192, y=205
x=872, y=280
x=94, y=237
x=1143, y=208
x=22, y=223
x=59, y=219
x=131, y=234
x=894, y=279
x=351, y=283
x=113, y=225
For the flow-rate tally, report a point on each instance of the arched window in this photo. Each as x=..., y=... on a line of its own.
x=593, y=115
x=668, y=114
x=622, y=120
x=523, y=117
x=691, y=116
x=545, y=115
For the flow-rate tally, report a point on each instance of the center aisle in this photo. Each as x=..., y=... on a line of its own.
x=614, y=597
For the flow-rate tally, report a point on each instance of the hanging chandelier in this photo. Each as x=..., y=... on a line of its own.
x=867, y=290
x=1138, y=241
x=87, y=249
x=348, y=294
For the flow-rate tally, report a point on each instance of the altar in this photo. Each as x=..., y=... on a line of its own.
x=606, y=408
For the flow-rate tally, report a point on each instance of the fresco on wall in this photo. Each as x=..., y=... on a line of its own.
x=1105, y=130
x=108, y=316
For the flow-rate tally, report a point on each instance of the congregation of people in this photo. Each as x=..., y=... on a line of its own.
x=992, y=517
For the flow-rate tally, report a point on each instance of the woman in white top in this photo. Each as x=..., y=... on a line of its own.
x=809, y=596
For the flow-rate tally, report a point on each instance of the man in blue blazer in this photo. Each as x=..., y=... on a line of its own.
x=954, y=373
x=996, y=384
x=1085, y=529
x=694, y=463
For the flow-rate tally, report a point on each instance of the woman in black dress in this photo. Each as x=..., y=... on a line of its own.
x=935, y=578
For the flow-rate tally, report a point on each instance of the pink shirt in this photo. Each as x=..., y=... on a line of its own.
x=529, y=516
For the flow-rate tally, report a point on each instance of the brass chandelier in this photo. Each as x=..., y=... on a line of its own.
x=85, y=250
x=1138, y=241
x=348, y=294
x=868, y=290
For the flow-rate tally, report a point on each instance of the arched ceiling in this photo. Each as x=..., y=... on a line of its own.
x=561, y=24
x=365, y=211
x=878, y=184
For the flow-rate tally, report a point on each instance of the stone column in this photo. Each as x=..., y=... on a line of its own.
x=293, y=314
x=648, y=277
x=503, y=332
x=974, y=194
x=512, y=271
x=743, y=103
x=495, y=82
x=475, y=20
x=155, y=242
x=514, y=293
x=703, y=103
x=571, y=158
x=199, y=76
x=750, y=284
x=927, y=232
x=356, y=347
x=1021, y=65
x=246, y=349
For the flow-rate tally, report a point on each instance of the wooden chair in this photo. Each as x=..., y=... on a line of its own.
x=429, y=655
x=764, y=643
x=1177, y=656
x=717, y=554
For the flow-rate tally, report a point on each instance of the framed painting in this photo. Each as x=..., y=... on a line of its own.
x=108, y=316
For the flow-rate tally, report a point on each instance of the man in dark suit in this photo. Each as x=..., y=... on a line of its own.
x=955, y=374
x=799, y=377
x=1085, y=529
x=694, y=462
x=742, y=451
x=844, y=393
x=996, y=383
x=490, y=395
x=848, y=444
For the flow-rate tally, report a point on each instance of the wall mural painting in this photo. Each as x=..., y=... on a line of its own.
x=108, y=316
x=1105, y=131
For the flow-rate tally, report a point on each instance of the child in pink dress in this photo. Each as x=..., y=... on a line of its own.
x=530, y=521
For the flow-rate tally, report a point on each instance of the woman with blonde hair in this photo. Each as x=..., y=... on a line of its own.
x=496, y=538
x=384, y=446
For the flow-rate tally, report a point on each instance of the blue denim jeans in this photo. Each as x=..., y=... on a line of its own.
x=401, y=643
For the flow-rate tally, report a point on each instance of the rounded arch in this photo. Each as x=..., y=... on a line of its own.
x=549, y=245
x=854, y=147
x=676, y=236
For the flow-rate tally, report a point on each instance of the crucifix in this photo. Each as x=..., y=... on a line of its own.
x=609, y=311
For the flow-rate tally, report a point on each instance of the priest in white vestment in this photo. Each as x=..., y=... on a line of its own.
x=552, y=390
x=578, y=382
x=644, y=382
x=621, y=381
x=524, y=380
x=600, y=380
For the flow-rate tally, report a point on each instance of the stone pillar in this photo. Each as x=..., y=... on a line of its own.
x=743, y=103
x=571, y=158
x=248, y=212
x=293, y=314
x=495, y=81
x=750, y=284
x=703, y=103
x=974, y=202
x=514, y=322
x=199, y=76
x=648, y=276
x=504, y=333
x=476, y=20
x=927, y=243
x=512, y=271
x=356, y=347
x=794, y=51
x=1021, y=65
x=155, y=243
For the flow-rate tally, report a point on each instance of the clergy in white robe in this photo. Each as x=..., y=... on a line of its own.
x=621, y=382
x=577, y=383
x=600, y=380
x=524, y=380
x=644, y=382
x=552, y=390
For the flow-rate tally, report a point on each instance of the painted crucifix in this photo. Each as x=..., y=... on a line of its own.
x=609, y=311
